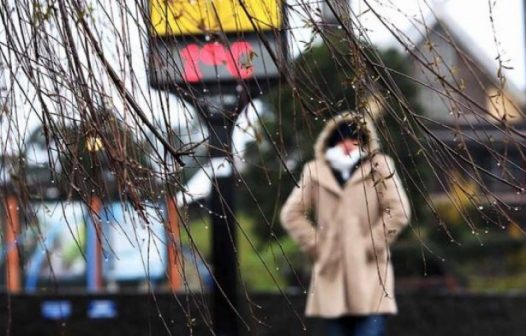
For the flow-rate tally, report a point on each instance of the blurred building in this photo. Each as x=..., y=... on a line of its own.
x=477, y=125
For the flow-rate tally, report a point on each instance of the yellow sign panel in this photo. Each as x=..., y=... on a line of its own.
x=187, y=17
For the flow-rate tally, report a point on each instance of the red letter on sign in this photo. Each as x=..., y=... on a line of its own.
x=235, y=65
x=190, y=57
x=213, y=54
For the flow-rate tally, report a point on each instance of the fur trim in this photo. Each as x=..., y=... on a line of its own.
x=372, y=146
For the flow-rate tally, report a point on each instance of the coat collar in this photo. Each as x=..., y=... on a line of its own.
x=325, y=177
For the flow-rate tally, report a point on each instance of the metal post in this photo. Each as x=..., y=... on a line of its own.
x=221, y=114
x=94, y=247
x=12, y=231
x=172, y=230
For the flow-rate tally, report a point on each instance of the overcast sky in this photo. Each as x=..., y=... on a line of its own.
x=471, y=16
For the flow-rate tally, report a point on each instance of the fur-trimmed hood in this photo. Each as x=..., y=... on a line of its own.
x=366, y=122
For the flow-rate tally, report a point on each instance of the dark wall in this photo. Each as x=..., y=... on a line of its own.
x=165, y=314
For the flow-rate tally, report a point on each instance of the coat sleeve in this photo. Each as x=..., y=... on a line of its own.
x=394, y=208
x=294, y=214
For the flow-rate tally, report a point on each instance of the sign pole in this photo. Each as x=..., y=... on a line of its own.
x=217, y=53
x=220, y=116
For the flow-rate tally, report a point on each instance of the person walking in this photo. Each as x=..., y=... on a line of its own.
x=359, y=207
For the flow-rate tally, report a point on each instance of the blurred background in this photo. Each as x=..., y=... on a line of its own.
x=116, y=176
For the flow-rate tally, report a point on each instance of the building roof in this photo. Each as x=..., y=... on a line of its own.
x=418, y=34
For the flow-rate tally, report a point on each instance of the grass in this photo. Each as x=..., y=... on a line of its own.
x=263, y=267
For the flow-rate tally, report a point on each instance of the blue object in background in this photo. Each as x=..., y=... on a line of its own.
x=136, y=249
x=91, y=256
x=53, y=250
x=102, y=309
x=56, y=310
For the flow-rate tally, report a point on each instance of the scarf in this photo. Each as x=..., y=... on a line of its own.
x=342, y=162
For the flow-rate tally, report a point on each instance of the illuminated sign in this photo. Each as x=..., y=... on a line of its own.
x=194, y=17
x=194, y=57
x=102, y=309
x=236, y=59
x=191, y=61
x=56, y=310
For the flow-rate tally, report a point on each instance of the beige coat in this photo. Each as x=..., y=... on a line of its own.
x=349, y=238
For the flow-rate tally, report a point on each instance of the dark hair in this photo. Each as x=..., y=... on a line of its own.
x=347, y=130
